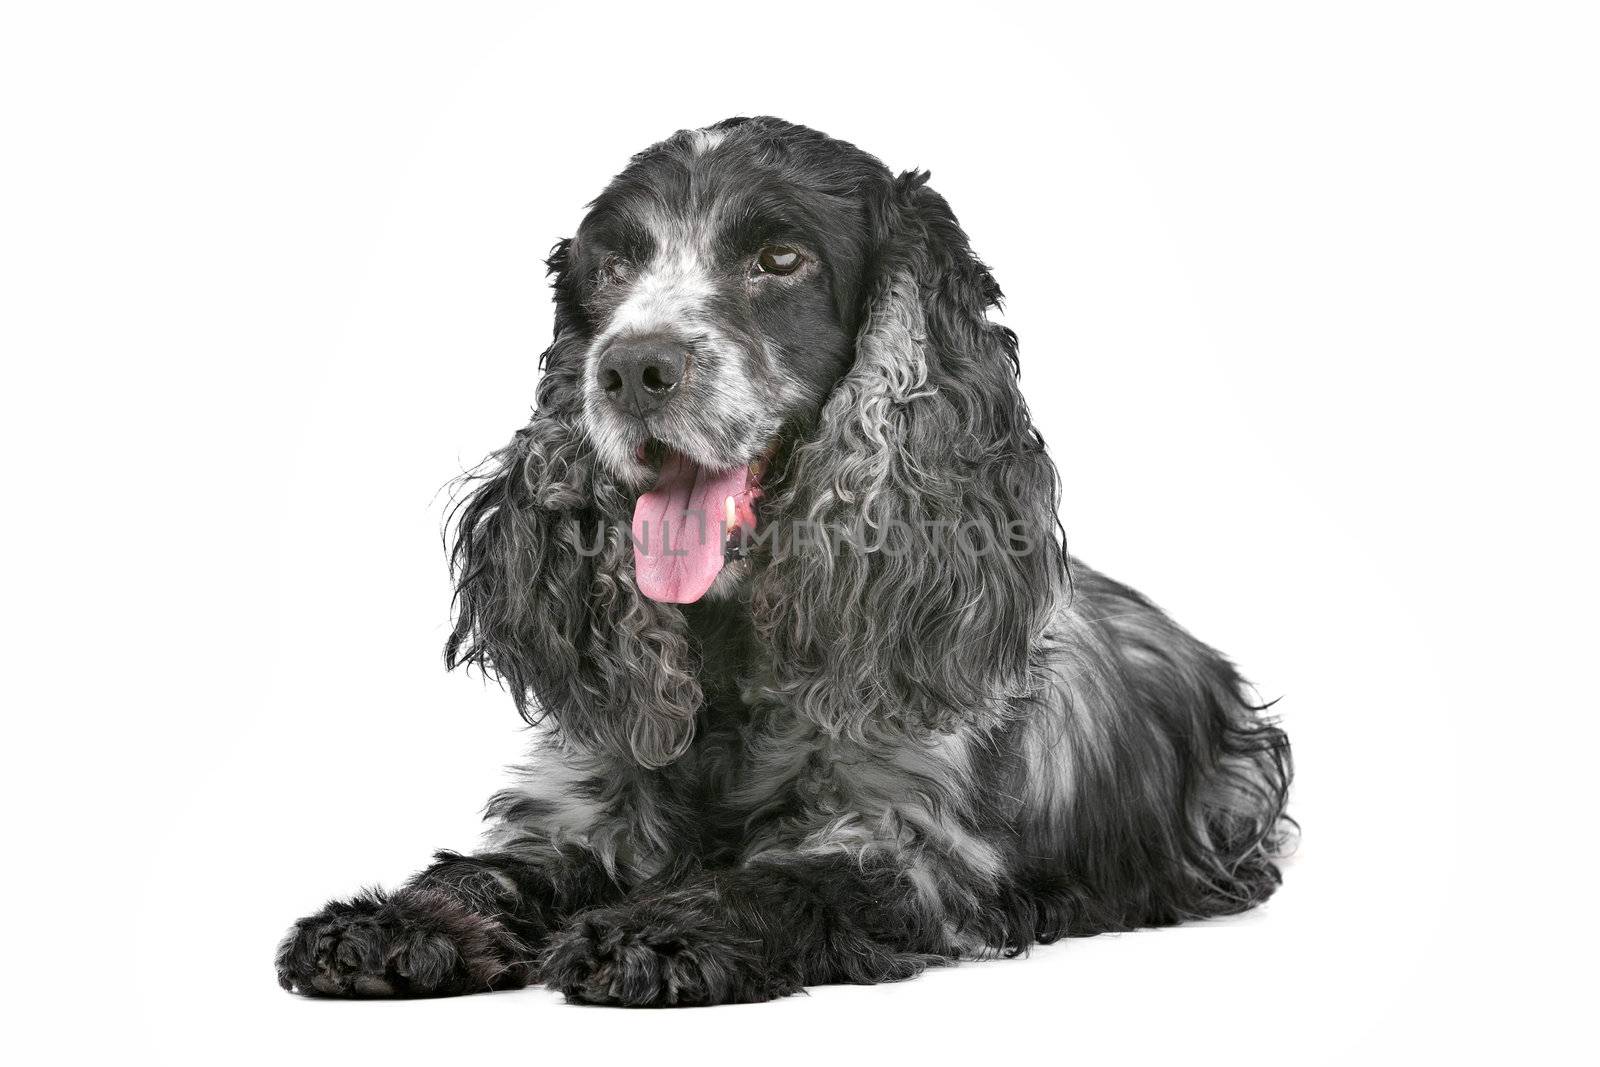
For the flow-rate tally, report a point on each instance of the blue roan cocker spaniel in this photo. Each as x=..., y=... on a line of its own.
x=776, y=568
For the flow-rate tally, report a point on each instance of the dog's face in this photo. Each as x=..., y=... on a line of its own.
x=719, y=279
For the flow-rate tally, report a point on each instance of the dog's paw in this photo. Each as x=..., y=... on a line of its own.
x=411, y=943
x=659, y=953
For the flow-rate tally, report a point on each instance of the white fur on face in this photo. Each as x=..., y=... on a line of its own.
x=672, y=290
x=672, y=295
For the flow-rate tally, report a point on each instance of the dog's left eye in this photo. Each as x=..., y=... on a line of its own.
x=778, y=259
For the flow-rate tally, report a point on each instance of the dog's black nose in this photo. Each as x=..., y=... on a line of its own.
x=639, y=374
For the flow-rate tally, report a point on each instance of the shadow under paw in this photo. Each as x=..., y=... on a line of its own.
x=657, y=954
x=412, y=943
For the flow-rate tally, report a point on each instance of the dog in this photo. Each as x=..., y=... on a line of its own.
x=862, y=714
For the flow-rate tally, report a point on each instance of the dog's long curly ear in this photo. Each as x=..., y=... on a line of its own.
x=545, y=597
x=924, y=613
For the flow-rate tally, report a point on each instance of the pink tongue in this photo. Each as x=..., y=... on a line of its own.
x=678, y=529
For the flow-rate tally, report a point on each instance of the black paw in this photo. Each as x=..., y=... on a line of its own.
x=655, y=954
x=411, y=943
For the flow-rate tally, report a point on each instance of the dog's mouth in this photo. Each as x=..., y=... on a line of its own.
x=688, y=524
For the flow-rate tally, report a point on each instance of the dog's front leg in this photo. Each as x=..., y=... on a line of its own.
x=782, y=921
x=466, y=924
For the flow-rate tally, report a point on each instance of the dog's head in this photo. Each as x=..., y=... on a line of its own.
x=717, y=285
x=758, y=323
x=718, y=281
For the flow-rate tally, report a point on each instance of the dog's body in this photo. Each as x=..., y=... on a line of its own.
x=815, y=758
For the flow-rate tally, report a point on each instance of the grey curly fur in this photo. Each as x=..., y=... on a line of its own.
x=929, y=427
x=613, y=669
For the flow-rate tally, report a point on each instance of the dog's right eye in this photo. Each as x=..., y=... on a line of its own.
x=613, y=268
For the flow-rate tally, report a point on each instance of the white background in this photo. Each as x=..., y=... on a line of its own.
x=1307, y=298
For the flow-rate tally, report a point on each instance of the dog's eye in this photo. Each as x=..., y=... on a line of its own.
x=613, y=268
x=778, y=259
